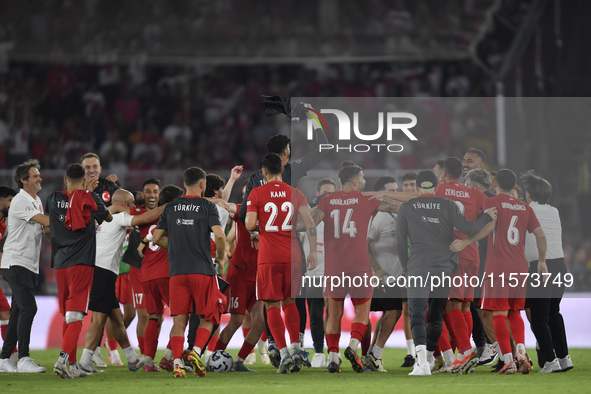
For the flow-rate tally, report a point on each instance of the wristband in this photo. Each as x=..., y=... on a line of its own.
x=145, y=243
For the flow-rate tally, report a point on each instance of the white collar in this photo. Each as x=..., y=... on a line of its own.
x=28, y=196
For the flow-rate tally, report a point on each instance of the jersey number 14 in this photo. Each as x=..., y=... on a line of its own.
x=348, y=225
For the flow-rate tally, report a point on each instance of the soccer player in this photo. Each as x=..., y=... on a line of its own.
x=458, y=317
x=314, y=294
x=383, y=256
x=188, y=221
x=506, y=257
x=20, y=265
x=6, y=196
x=273, y=205
x=155, y=272
x=544, y=302
x=474, y=158
x=346, y=214
x=72, y=216
x=438, y=170
x=103, y=303
x=429, y=222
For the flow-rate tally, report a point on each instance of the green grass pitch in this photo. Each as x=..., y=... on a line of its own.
x=313, y=380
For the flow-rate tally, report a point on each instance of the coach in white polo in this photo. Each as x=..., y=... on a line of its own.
x=20, y=265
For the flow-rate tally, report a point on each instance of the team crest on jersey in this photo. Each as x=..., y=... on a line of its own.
x=106, y=196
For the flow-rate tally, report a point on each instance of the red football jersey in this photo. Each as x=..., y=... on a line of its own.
x=244, y=258
x=470, y=203
x=506, y=244
x=155, y=261
x=277, y=205
x=346, y=221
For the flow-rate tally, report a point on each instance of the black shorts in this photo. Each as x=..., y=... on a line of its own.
x=387, y=299
x=103, y=297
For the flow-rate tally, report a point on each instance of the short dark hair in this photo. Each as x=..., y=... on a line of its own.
x=347, y=173
x=454, y=167
x=89, y=154
x=539, y=189
x=506, y=179
x=22, y=171
x=169, y=193
x=480, y=154
x=345, y=163
x=192, y=175
x=492, y=173
x=75, y=172
x=480, y=176
x=151, y=181
x=6, y=192
x=409, y=176
x=272, y=163
x=278, y=143
x=382, y=182
x=214, y=182
x=440, y=163
x=325, y=181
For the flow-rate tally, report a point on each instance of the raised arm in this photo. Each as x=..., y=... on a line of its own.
x=243, y=208
x=235, y=174
x=386, y=206
x=300, y=167
x=147, y=217
x=396, y=196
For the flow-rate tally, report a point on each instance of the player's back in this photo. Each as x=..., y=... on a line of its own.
x=276, y=204
x=506, y=244
x=469, y=201
x=155, y=260
x=245, y=256
x=346, y=221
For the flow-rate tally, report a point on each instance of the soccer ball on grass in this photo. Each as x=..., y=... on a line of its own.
x=219, y=361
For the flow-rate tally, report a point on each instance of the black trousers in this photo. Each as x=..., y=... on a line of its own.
x=478, y=333
x=22, y=311
x=547, y=323
x=420, y=297
x=316, y=311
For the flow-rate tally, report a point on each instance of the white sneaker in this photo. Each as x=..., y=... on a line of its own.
x=420, y=370
x=566, y=363
x=6, y=365
x=431, y=361
x=488, y=355
x=14, y=358
x=76, y=371
x=28, y=365
x=551, y=366
x=206, y=356
x=318, y=361
x=98, y=360
x=250, y=359
x=263, y=350
x=115, y=358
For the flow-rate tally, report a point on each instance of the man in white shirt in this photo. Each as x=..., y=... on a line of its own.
x=20, y=265
x=103, y=303
x=543, y=301
x=381, y=244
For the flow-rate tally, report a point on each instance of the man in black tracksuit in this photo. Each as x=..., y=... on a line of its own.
x=429, y=222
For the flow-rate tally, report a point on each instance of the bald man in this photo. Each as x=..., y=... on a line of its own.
x=103, y=300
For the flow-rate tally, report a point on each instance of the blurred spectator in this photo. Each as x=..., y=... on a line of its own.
x=92, y=98
x=177, y=131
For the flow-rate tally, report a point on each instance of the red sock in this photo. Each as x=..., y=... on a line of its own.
x=219, y=345
x=141, y=343
x=458, y=325
x=169, y=345
x=517, y=327
x=365, y=344
x=212, y=343
x=292, y=322
x=151, y=338
x=277, y=327
x=332, y=342
x=469, y=322
x=245, y=350
x=112, y=343
x=502, y=333
x=202, y=336
x=453, y=340
x=443, y=343
x=358, y=331
x=245, y=332
x=71, y=339
x=264, y=336
x=176, y=345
